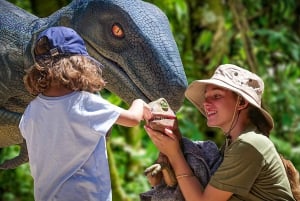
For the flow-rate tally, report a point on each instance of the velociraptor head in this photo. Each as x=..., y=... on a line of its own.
x=133, y=40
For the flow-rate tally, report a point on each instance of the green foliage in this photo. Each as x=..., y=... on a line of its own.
x=15, y=184
x=26, y=5
x=207, y=34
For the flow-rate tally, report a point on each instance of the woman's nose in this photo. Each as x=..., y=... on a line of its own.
x=206, y=104
x=206, y=101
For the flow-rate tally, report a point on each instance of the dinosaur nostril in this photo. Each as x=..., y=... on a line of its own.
x=117, y=30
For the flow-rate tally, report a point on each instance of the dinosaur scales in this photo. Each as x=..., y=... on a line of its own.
x=131, y=38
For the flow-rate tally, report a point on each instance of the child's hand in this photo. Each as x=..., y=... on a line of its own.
x=147, y=112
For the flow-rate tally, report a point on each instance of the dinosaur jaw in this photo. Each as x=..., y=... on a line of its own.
x=163, y=116
x=161, y=124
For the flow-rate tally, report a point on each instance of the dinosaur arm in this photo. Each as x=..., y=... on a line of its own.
x=9, y=133
x=17, y=161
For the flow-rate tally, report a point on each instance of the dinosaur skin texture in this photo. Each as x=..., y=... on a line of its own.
x=131, y=38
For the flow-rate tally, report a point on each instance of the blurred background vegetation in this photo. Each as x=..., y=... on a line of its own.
x=260, y=36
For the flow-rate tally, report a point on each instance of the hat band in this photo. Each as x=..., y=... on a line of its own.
x=240, y=91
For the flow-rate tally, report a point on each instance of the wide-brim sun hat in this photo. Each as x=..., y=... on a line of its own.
x=64, y=41
x=239, y=80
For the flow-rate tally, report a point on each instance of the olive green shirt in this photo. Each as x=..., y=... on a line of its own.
x=252, y=170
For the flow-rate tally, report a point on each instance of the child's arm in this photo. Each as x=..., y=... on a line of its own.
x=138, y=111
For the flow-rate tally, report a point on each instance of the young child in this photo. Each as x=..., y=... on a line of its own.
x=66, y=124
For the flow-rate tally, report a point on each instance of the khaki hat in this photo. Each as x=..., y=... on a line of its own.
x=239, y=80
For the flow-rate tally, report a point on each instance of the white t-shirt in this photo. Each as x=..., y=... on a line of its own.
x=66, y=144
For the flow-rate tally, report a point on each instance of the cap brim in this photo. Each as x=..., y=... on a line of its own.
x=195, y=94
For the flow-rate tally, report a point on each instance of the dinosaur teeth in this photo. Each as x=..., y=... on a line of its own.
x=162, y=117
x=159, y=118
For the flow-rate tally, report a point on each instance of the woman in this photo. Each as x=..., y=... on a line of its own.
x=251, y=168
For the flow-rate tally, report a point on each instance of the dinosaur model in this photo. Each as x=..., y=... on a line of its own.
x=131, y=38
x=162, y=169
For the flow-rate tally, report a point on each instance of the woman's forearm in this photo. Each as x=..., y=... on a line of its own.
x=190, y=186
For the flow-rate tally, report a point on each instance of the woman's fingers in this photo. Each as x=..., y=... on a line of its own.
x=170, y=133
x=152, y=134
x=160, y=139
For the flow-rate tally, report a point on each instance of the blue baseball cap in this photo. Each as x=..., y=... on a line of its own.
x=65, y=41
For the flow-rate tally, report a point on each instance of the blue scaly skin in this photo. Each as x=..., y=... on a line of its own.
x=131, y=38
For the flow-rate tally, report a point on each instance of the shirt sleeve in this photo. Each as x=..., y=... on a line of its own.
x=25, y=122
x=241, y=166
x=101, y=113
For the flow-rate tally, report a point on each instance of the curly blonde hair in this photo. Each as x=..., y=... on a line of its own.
x=74, y=72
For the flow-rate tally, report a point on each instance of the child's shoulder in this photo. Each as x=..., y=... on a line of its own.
x=93, y=99
x=90, y=96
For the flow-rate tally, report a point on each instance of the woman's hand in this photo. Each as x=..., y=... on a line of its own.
x=166, y=142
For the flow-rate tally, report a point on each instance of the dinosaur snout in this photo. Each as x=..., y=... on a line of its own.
x=163, y=115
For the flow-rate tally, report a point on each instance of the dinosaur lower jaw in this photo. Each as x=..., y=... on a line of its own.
x=160, y=125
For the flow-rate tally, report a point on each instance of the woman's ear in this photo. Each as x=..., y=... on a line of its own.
x=243, y=103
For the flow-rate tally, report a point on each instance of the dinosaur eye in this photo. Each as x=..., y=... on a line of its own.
x=117, y=30
x=164, y=105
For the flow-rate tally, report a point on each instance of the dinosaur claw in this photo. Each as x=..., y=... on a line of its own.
x=154, y=174
x=153, y=170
